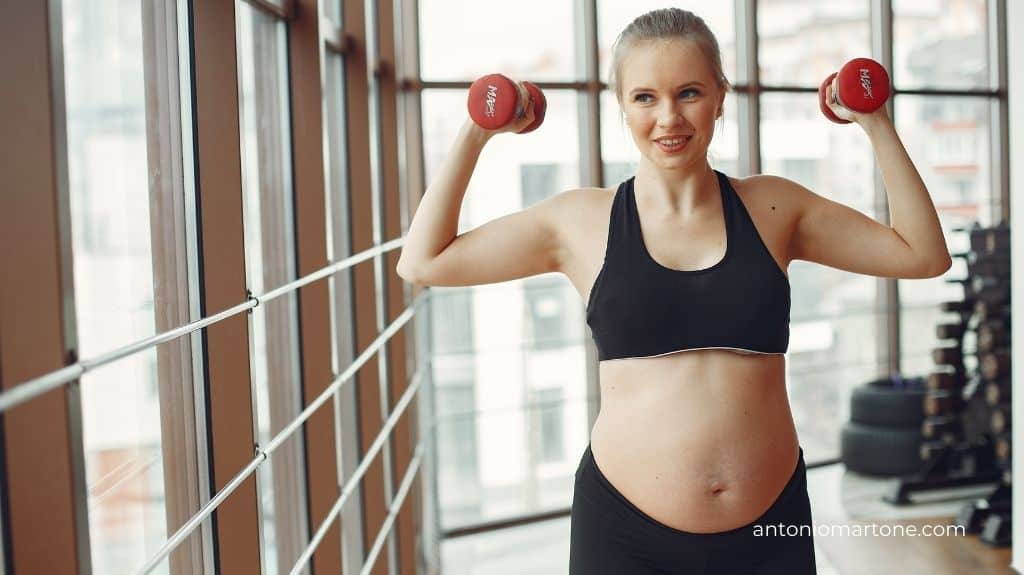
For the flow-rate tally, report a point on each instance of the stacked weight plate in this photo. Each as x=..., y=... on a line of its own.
x=987, y=291
x=943, y=400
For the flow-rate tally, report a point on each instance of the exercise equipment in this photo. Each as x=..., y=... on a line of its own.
x=967, y=429
x=862, y=85
x=495, y=101
x=883, y=404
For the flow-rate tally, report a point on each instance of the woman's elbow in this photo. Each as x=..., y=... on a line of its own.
x=405, y=271
x=939, y=267
x=410, y=273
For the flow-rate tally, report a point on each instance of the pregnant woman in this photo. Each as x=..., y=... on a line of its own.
x=684, y=271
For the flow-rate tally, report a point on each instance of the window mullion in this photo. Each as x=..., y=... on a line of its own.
x=887, y=289
x=748, y=114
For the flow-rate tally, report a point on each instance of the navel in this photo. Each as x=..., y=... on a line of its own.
x=717, y=487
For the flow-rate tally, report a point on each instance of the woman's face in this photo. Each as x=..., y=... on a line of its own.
x=670, y=100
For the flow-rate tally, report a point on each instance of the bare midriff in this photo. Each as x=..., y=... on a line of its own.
x=702, y=441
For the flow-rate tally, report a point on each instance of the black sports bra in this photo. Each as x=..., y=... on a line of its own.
x=640, y=308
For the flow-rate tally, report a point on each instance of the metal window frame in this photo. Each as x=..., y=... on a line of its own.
x=43, y=460
x=887, y=350
x=324, y=431
x=358, y=23
x=229, y=402
x=400, y=372
x=340, y=290
x=999, y=118
x=378, y=69
x=172, y=227
x=591, y=163
x=416, y=344
x=748, y=86
x=273, y=194
x=283, y=10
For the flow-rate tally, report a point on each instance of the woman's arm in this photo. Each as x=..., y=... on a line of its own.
x=436, y=221
x=911, y=209
x=513, y=246
x=833, y=234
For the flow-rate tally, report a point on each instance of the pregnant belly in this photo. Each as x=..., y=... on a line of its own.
x=697, y=465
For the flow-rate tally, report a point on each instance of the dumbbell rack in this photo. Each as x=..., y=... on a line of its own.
x=988, y=267
x=966, y=428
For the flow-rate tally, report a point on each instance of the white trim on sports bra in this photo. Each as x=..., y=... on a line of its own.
x=738, y=350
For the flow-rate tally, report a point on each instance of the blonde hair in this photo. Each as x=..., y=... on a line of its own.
x=667, y=24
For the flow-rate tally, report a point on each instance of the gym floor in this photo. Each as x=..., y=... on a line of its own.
x=838, y=497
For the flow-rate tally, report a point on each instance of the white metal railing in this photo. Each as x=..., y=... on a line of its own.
x=262, y=453
x=32, y=388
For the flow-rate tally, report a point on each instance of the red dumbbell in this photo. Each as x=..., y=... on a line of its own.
x=863, y=86
x=495, y=100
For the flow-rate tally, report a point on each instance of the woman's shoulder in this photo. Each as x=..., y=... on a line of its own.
x=586, y=198
x=766, y=188
x=581, y=210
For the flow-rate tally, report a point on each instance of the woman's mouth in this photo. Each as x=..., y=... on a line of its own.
x=673, y=144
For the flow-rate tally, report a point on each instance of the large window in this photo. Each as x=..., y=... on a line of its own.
x=943, y=45
x=801, y=42
x=948, y=139
x=466, y=39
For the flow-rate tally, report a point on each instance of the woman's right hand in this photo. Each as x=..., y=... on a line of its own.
x=515, y=126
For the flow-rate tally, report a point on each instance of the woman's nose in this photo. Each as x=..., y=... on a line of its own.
x=670, y=115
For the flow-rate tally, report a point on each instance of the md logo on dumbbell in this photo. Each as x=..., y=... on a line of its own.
x=861, y=85
x=494, y=101
x=492, y=97
x=865, y=82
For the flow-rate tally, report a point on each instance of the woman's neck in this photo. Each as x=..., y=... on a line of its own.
x=682, y=192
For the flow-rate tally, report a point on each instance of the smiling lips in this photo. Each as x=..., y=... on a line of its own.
x=672, y=143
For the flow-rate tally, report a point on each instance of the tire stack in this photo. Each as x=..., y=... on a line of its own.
x=883, y=436
x=987, y=290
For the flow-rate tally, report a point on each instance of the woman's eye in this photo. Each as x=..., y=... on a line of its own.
x=641, y=97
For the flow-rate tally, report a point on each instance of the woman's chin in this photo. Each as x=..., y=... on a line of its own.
x=680, y=162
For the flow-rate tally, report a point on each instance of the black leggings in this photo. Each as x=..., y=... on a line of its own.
x=610, y=535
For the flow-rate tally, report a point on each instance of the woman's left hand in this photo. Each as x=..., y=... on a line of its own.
x=860, y=118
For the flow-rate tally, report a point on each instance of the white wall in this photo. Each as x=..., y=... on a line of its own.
x=1015, y=64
